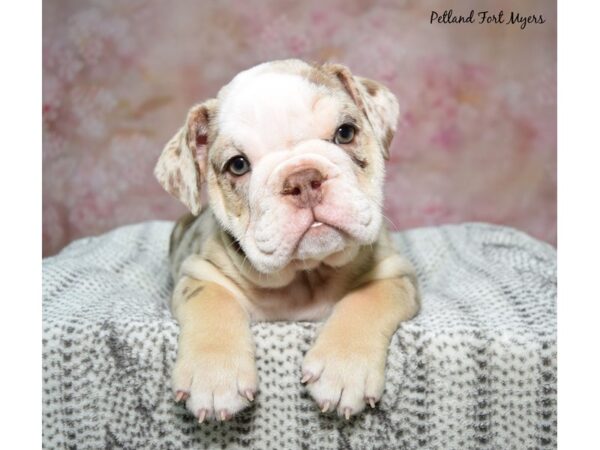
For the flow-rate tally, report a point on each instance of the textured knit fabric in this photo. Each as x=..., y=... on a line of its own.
x=476, y=369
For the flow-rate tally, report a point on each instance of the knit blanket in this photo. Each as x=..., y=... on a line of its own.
x=476, y=369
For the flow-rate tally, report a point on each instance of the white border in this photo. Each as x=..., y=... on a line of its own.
x=578, y=225
x=21, y=232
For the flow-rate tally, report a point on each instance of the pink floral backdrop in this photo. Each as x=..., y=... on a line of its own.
x=477, y=133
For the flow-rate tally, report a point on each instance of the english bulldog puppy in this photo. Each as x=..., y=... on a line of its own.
x=292, y=155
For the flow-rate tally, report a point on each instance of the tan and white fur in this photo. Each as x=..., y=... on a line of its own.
x=294, y=234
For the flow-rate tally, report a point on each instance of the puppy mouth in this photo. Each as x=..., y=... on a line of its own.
x=318, y=241
x=318, y=227
x=317, y=230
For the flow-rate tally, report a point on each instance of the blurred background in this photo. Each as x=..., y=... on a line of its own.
x=476, y=139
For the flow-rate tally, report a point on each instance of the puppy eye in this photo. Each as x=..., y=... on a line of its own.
x=238, y=166
x=345, y=134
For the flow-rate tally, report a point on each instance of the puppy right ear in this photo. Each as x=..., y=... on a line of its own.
x=181, y=167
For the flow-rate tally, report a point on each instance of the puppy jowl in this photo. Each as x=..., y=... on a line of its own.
x=293, y=159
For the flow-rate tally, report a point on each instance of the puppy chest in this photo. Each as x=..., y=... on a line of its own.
x=308, y=297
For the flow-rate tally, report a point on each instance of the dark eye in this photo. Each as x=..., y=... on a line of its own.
x=238, y=166
x=344, y=134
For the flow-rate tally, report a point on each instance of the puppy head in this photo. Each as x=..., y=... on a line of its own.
x=293, y=157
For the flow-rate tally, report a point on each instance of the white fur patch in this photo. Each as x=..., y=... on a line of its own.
x=272, y=111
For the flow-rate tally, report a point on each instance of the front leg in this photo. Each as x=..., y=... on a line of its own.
x=346, y=367
x=215, y=369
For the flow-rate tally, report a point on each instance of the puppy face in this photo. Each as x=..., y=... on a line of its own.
x=292, y=155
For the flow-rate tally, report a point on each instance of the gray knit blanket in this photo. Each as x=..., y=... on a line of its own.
x=476, y=369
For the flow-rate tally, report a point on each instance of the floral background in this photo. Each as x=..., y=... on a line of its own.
x=477, y=132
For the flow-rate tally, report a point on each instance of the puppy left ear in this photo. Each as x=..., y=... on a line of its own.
x=181, y=168
x=375, y=100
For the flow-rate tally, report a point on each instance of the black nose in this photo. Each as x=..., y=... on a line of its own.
x=304, y=188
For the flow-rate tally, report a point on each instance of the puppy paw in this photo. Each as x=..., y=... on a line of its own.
x=343, y=378
x=215, y=386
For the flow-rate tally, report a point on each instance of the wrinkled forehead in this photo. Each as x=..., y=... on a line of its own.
x=267, y=110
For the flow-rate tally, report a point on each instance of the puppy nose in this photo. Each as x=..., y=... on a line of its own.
x=304, y=188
